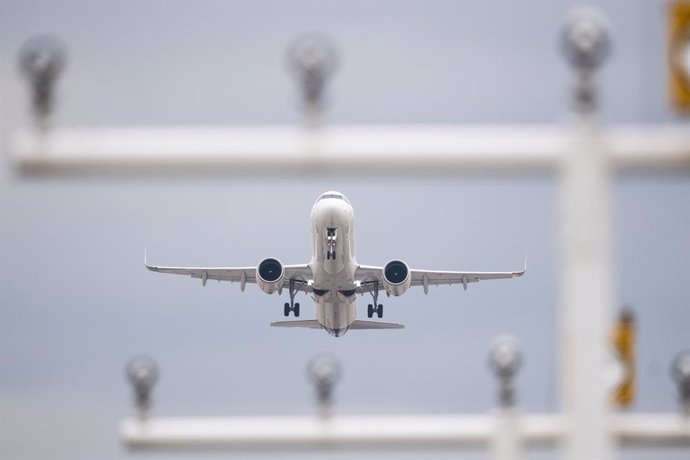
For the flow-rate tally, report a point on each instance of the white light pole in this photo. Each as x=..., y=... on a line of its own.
x=586, y=268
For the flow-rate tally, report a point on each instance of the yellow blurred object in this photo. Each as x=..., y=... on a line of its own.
x=623, y=338
x=679, y=54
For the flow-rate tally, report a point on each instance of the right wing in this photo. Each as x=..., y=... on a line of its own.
x=240, y=275
x=307, y=324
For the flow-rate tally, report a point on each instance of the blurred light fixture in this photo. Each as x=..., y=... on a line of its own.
x=312, y=60
x=42, y=60
x=142, y=373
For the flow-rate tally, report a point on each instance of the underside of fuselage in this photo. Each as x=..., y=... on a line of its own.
x=333, y=264
x=334, y=315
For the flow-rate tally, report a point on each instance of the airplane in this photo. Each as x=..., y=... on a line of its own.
x=334, y=277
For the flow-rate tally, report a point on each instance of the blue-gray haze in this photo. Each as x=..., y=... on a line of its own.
x=76, y=302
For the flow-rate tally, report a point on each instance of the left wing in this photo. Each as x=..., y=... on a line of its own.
x=369, y=275
x=240, y=275
x=435, y=278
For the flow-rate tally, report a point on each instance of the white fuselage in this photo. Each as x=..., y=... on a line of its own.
x=333, y=263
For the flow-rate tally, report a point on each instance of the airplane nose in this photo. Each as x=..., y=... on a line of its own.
x=337, y=208
x=333, y=209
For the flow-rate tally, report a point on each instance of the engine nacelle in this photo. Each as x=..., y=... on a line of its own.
x=269, y=275
x=396, y=277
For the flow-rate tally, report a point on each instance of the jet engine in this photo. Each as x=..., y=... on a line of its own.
x=396, y=277
x=269, y=275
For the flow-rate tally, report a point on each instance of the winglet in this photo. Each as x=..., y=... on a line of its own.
x=150, y=267
x=523, y=271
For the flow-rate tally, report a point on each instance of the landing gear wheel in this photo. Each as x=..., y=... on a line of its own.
x=376, y=307
x=292, y=306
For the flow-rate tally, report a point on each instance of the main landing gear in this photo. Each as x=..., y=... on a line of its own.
x=378, y=310
x=376, y=307
x=291, y=306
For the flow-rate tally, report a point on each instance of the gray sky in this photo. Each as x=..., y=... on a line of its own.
x=76, y=302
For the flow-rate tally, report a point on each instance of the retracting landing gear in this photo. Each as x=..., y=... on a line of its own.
x=376, y=307
x=291, y=306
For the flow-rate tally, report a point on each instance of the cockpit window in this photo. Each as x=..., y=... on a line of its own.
x=331, y=195
x=337, y=196
x=348, y=292
x=320, y=292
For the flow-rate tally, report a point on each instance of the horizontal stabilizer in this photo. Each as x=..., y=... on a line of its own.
x=308, y=324
x=375, y=325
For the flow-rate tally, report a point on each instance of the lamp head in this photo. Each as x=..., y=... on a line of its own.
x=505, y=357
x=585, y=40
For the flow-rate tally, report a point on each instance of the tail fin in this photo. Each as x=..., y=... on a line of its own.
x=309, y=324
x=375, y=325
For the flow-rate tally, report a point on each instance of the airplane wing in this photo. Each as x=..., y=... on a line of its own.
x=375, y=325
x=369, y=276
x=240, y=275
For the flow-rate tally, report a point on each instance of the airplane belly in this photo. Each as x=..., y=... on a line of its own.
x=335, y=315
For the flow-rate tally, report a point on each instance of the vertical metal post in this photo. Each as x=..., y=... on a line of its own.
x=586, y=270
x=505, y=360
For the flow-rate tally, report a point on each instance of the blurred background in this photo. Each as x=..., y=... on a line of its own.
x=76, y=302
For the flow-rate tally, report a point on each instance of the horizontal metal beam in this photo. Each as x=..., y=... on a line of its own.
x=336, y=432
x=362, y=149
x=352, y=432
x=653, y=429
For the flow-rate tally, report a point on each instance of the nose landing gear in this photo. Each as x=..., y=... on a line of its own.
x=331, y=242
